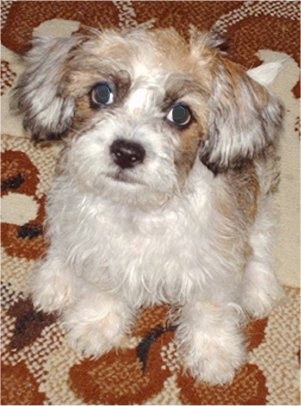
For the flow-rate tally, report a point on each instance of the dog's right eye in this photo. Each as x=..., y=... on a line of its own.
x=102, y=94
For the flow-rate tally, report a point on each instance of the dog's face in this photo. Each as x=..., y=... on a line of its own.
x=138, y=109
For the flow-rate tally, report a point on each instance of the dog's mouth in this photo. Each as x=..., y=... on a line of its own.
x=124, y=178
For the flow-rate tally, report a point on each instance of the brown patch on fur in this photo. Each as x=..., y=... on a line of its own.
x=173, y=54
x=244, y=185
x=83, y=114
x=232, y=236
x=81, y=79
x=190, y=139
x=194, y=94
x=180, y=87
x=171, y=49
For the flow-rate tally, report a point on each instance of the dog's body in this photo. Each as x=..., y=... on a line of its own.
x=164, y=192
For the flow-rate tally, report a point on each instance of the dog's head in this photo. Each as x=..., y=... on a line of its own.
x=138, y=109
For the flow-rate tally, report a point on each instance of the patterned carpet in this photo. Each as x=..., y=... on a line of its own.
x=38, y=366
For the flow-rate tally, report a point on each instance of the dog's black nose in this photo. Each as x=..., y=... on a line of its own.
x=127, y=154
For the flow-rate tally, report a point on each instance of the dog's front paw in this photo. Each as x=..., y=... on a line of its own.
x=214, y=360
x=94, y=338
x=262, y=292
x=50, y=287
x=93, y=332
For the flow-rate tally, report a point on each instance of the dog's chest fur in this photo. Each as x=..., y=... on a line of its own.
x=160, y=253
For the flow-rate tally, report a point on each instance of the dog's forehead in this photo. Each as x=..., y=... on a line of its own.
x=151, y=54
x=150, y=44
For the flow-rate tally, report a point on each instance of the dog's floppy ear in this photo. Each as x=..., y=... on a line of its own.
x=39, y=90
x=244, y=118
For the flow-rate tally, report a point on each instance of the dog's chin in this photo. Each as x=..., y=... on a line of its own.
x=124, y=189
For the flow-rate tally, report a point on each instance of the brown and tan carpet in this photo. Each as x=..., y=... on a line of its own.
x=38, y=366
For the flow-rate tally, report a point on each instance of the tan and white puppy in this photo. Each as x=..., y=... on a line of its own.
x=164, y=193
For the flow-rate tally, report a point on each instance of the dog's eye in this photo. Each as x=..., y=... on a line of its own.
x=102, y=94
x=180, y=115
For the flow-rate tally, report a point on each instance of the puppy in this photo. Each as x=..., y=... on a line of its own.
x=164, y=191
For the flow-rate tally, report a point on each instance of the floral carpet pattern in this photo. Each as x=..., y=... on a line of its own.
x=38, y=366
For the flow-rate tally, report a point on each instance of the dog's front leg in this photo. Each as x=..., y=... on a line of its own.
x=97, y=322
x=51, y=285
x=211, y=341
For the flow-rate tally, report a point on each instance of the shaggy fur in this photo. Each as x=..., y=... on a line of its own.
x=149, y=208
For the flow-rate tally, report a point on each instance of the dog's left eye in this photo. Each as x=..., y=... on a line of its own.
x=102, y=94
x=179, y=115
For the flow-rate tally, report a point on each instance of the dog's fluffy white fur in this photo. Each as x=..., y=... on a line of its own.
x=154, y=202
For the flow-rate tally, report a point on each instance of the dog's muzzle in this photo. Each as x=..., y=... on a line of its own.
x=127, y=154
